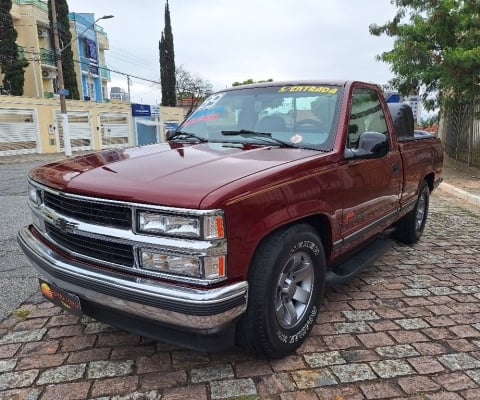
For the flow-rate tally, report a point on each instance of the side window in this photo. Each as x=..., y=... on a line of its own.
x=366, y=115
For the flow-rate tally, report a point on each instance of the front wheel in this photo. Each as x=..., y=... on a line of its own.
x=287, y=279
x=410, y=227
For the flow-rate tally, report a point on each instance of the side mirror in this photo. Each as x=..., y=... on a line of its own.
x=170, y=133
x=370, y=145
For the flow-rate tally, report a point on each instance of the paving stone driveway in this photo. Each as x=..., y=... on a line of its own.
x=407, y=328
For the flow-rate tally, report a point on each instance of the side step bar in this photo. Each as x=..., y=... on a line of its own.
x=342, y=273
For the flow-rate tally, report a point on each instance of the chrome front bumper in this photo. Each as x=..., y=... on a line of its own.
x=204, y=311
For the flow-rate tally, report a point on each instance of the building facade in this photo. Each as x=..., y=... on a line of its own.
x=118, y=93
x=415, y=102
x=31, y=123
x=89, y=49
x=30, y=19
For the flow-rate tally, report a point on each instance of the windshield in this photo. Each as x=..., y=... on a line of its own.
x=295, y=116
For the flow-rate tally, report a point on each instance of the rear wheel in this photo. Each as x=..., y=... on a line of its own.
x=286, y=285
x=410, y=227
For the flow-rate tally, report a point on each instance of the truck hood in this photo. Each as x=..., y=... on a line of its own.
x=169, y=174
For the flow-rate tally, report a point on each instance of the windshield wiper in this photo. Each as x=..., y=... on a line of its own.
x=179, y=134
x=259, y=135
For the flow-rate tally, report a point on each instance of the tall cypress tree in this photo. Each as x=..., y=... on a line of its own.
x=11, y=65
x=68, y=66
x=167, y=63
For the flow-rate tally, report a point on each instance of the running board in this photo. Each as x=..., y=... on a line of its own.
x=342, y=273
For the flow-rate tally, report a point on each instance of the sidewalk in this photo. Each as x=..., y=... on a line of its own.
x=461, y=181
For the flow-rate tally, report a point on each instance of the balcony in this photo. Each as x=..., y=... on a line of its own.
x=104, y=72
x=35, y=8
x=21, y=52
x=88, y=67
x=37, y=3
x=47, y=57
x=102, y=38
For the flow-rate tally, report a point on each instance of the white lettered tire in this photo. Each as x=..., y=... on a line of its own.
x=286, y=286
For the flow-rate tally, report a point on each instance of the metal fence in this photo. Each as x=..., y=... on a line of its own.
x=462, y=135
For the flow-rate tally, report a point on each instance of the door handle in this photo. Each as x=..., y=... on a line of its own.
x=395, y=167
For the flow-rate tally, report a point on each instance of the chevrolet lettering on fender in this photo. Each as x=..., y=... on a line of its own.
x=229, y=231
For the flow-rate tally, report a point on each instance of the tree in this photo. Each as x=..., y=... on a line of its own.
x=167, y=63
x=68, y=66
x=191, y=88
x=436, y=50
x=250, y=81
x=11, y=64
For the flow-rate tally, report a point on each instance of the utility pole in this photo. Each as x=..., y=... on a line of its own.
x=128, y=86
x=63, y=102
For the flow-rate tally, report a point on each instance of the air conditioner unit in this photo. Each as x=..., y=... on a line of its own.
x=49, y=74
x=42, y=32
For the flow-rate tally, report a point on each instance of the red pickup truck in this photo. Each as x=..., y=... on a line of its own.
x=229, y=231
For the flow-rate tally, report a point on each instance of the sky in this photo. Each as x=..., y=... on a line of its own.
x=224, y=41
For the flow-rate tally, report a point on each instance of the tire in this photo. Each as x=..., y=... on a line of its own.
x=410, y=227
x=283, y=303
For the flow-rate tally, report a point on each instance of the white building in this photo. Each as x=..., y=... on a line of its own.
x=415, y=102
x=118, y=93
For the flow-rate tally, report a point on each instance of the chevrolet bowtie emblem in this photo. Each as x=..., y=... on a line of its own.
x=65, y=226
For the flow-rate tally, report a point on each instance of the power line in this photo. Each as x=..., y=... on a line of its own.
x=121, y=73
x=34, y=53
x=129, y=57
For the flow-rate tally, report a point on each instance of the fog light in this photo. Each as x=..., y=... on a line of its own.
x=172, y=264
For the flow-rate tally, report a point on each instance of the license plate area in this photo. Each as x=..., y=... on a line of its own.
x=68, y=301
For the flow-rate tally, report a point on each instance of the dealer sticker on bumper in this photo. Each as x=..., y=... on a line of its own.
x=61, y=298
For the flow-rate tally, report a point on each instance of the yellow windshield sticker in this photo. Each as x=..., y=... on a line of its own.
x=308, y=89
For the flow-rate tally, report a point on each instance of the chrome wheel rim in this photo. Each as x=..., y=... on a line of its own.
x=421, y=210
x=294, y=290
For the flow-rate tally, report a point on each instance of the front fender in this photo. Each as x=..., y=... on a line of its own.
x=252, y=220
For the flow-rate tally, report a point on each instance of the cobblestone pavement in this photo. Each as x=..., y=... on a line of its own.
x=407, y=328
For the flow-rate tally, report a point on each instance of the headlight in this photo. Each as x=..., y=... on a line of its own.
x=196, y=267
x=207, y=227
x=168, y=224
x=34, y=194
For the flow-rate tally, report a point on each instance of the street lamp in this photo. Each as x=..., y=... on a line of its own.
x=62, y=91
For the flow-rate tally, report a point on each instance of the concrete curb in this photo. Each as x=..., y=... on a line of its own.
x=463, y=194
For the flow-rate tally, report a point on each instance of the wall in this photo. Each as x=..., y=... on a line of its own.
x=48, y=129
x=460, y=133
x=28, y=125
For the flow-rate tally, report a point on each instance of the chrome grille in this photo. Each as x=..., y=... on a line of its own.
x=102, y=250
x=115, y=216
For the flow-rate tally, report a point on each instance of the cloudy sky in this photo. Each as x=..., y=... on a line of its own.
x=227, y=41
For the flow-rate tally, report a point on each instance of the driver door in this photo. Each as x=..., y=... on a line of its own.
x=371, y=186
